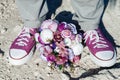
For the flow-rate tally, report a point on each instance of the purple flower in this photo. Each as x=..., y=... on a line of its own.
x=53, y=45
x=72, y=28
x=51, y=58
x=66, y=33
x=62, y=26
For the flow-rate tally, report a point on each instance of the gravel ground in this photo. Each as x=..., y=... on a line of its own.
x=36, y=69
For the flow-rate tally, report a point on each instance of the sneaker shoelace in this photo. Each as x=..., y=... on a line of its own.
x=98, y=39
x=23, y=38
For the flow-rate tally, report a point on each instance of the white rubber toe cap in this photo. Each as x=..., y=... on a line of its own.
x=106, y=59
x=19, y=57
x=17, y=54
x=105, y=55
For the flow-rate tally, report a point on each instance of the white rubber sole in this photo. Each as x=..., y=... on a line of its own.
x=102, y=63
x=21, y=61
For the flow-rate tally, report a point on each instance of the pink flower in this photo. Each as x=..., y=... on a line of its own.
x=62, y=26
x=46, y=50
x=62, y=50
x=61, y=60
x=76, y=59
x=57, y=37
x=52, y=25
x=72, y=37
x=51, y=58
x=66, y=33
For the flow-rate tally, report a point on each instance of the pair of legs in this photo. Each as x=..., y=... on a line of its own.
x=87, y=13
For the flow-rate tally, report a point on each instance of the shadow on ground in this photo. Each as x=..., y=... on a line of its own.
x=2, y=52
x=92, y=72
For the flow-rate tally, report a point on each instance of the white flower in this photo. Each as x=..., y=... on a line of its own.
x=46, y=36
x=77, y=48
x=57, y=49
x=67, y=41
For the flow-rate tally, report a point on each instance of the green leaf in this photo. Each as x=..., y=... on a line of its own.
x=60, y=67
x=55, y=53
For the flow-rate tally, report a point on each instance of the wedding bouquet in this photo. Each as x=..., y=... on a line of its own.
x=59, y=43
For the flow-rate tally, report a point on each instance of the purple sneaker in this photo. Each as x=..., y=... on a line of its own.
x=22, y=48
x=102, y=51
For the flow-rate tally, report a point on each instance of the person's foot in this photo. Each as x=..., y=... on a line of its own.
x=102, y=51
x=22, y=47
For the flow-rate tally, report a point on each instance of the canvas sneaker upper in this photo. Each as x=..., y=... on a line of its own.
x=98, y=45
x=23, y=44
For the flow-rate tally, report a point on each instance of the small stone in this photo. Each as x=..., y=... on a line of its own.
x=3, y=30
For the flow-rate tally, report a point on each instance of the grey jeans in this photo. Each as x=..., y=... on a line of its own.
x=88, y=12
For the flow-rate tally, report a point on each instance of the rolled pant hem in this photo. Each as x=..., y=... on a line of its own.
x=32, y=24
x=88, y=26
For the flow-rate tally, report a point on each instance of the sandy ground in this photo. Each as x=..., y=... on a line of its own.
x=36, y=69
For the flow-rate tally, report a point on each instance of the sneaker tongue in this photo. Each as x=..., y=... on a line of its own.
x=33, y=30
